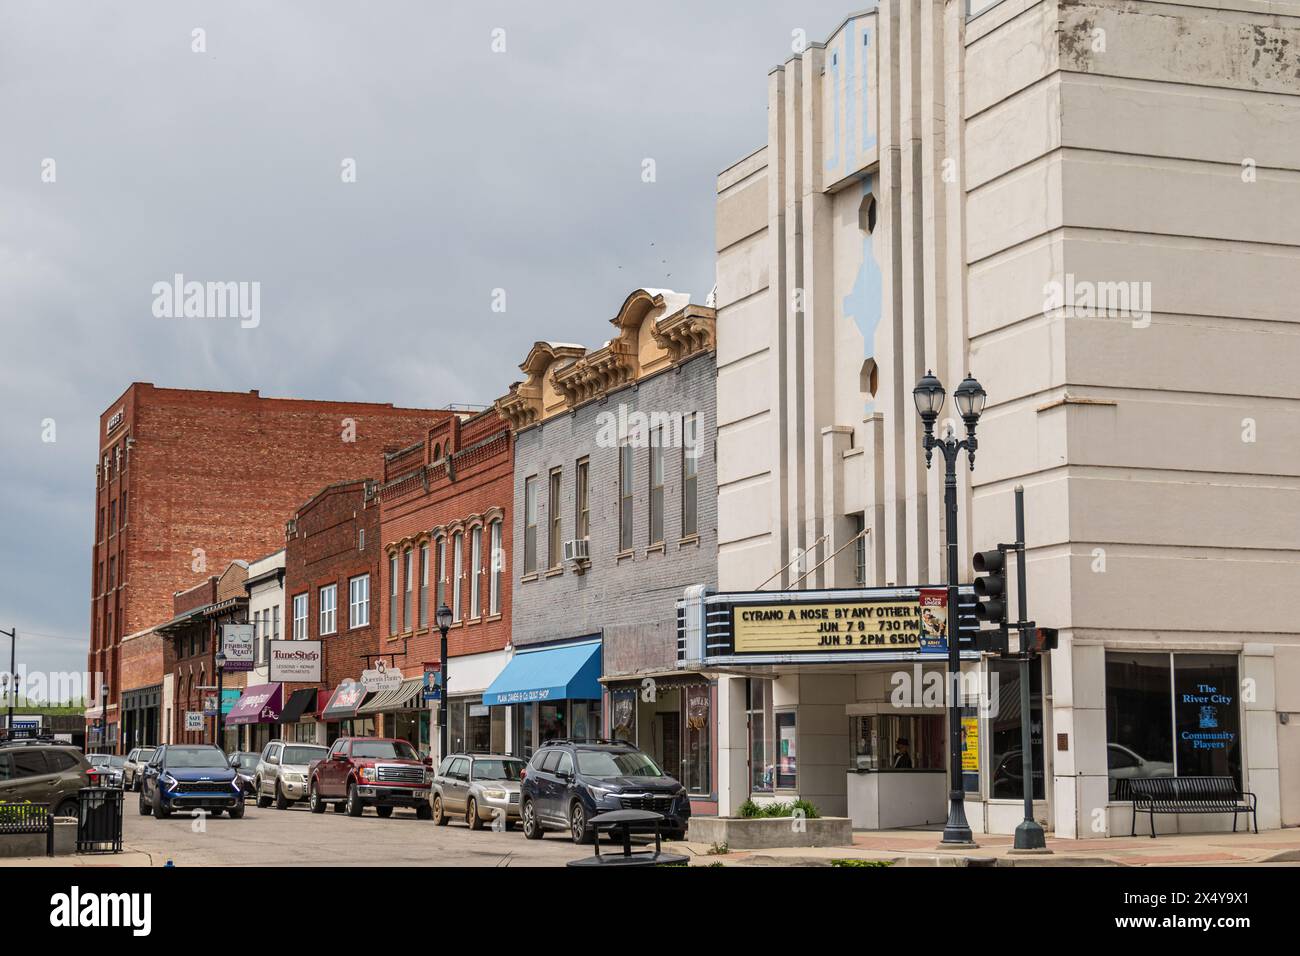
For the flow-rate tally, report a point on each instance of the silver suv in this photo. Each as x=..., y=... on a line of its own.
x=281, y=772
x=478, y=788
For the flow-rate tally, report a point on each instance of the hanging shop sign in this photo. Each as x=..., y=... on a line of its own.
x=934, y=620
x=380, y=678
x=193, y=720
x=237, y=645
x=296, y=661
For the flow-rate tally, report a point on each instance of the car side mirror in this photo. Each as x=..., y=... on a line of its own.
x=339, y=756
x=428, y=761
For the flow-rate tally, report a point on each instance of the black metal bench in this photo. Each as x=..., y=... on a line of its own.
x=28, y=818
x=1152, y=795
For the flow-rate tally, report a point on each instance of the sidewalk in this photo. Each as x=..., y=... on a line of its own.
x=921, y=848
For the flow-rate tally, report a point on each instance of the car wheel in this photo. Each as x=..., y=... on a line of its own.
x=281, y=801
x=68, y=808
x=262, y=801
x=145, y=809
x=578, y=823
x=236, y=812
x=532, y=826
x=424, y=812
x=313, y=800
x=354, y=805
x=384, y=812
x=471, y=815
x=439, y=818
x=159, y=811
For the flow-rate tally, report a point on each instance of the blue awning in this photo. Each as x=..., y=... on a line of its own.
x=568, y=672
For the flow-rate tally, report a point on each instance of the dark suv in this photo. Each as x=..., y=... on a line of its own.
x=570, y=781
x=35, y=771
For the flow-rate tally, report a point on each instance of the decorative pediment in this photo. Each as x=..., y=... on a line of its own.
x=526, y=400
x=687, y=332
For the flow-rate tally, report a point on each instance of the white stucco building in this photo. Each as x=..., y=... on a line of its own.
x=1094, y=207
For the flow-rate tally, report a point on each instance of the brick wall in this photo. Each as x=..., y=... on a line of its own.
x=460, y=478
x=206, y=478
x=323, y=545
x=142, y=660
x=631, y=599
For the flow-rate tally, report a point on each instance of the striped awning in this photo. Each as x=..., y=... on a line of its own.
x=405, y=696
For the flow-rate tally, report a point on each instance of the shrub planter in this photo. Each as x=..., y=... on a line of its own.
x=764, y=833
x=33, y=844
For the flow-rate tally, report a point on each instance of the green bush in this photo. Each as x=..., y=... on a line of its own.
x=852, y=862
x=749, y=809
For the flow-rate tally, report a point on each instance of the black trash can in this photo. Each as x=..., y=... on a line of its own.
x=99, y=820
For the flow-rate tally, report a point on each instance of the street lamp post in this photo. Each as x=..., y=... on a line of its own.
x=444, y=625
x=11, y=686
x=220, y=660
x=969, y=397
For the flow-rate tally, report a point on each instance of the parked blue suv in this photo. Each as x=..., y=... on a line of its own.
x=570, y=781
x=190, y=777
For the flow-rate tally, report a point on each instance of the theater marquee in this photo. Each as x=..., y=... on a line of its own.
x=848, y=626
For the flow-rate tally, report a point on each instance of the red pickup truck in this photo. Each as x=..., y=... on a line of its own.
x=378, y=772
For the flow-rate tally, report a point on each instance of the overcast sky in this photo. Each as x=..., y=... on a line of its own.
x=475, y=170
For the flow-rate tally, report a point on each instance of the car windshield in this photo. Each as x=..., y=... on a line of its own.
x=497, y=769
x=605, y=764
x=116, y=761
x=302, y=755
x=384, y=749
x=245, y=761
x=185, y=758
x=98, y=760
x=145, y=756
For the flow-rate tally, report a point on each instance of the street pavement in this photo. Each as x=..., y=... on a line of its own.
x=298, y=837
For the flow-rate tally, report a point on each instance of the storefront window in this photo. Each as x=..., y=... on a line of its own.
x=786, y=764
x=552, y=723
x=762, y=759
x=585, y=719
x=697, y=763
x=1007, y=782
x=522, y=735
x=896, y=742
x=478, y=728
x=623, y=714
x=456, y=725
x=1170, y=714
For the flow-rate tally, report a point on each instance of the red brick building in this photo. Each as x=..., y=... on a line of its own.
x=332, y=556
x=188, y=481
x=189, y=647
x=445, y=506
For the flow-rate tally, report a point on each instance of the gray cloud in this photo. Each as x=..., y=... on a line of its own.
x=476, y=171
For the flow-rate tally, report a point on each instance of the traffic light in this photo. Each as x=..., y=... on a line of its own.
x=991, y=587
x=1045, y=639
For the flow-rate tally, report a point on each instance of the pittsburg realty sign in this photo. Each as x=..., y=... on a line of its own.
x=888, y=625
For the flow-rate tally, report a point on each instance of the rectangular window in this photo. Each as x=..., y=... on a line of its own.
x=456, y=546
x=498, y=563
x=1171, y=714
x=275, y=622
x=897, y=742
x=762, y=763
x=1004, y=730
x=112, y=571
x=121, y=511
x=554, y=546
x=440, y=572
x=787, y=777
x=697, y=760
x=424, y=585
x=329, y=608
x=392, y=595
x=359, y=601
x=860, y=551
x=625, y=497
x=112, y=517
x=582, y=501
x=657, y=486
x=408, y=575
x=300, y=617
x=475, y=570
x=690, y=476
x=530, y=525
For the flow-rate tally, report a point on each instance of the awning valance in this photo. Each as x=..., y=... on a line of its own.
x=405, y=696
x=566, y=672
x=345, y=700
x=259, y=704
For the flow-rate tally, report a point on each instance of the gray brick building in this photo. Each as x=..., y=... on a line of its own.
x=616, y=446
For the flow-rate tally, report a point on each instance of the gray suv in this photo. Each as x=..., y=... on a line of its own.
x=478, y=788
x=281, y=772
x=38, y=772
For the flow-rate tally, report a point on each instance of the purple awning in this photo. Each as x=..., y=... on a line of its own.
x=260, y=704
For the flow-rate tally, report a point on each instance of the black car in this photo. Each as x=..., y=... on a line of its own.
x=568, y=782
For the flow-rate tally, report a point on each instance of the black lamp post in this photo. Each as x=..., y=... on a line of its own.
x=969, y=397
x=444, y=624
x=11, y=685
x=220, y=660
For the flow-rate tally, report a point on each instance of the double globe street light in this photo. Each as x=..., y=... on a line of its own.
x=969, y=397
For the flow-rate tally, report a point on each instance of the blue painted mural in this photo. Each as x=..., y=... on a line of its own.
x=853, y=56
x=863, y=303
